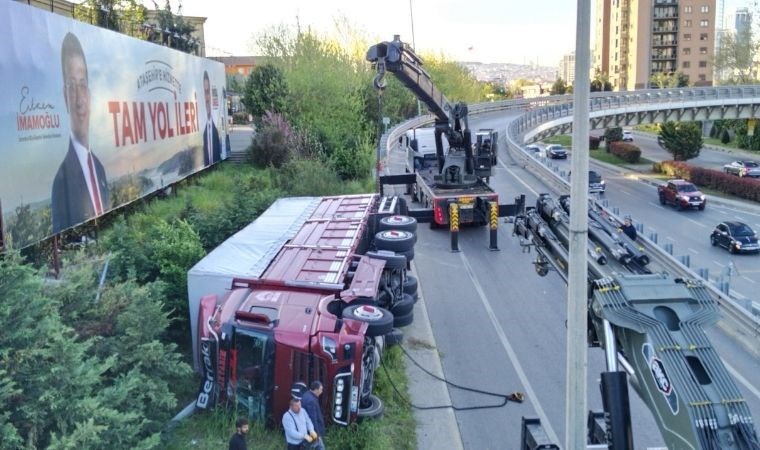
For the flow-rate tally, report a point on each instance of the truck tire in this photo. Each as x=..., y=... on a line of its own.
x=380, y=320
x=410, y=285
x=394, y=240
x=409, y=254
x=662, y=199
x=403, y=321
x=398, y=222
x=371, y=408
x=392, y=260
x=403, y=306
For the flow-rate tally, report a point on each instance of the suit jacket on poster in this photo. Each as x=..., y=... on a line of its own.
x=215, y=142
x=71, y=202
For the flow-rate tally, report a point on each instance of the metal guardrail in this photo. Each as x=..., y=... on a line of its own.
x=554, y=111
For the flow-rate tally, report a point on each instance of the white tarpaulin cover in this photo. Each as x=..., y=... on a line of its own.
x=246, y=254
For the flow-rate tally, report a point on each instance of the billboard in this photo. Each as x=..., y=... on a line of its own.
x=91, y=120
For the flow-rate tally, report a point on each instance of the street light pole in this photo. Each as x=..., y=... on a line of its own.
x=414, y=44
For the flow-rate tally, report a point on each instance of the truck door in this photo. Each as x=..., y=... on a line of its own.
x=254, y=364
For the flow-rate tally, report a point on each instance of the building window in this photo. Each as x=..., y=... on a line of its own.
x=687, y=51
x=687, y=23
x=703, y=77
x=687, y=9
x=703, y=36
x=687, y=37
x=703, y=64
x=704, y=23
x=702, y=50
x=686, y=64
x=705, y=9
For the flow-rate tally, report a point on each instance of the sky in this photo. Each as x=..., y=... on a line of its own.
x=522, y=32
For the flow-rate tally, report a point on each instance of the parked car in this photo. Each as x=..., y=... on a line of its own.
x=743, y=169
x=627, y=136
x=737, y=237
x=556, y=151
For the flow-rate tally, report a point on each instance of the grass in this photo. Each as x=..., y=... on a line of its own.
x=563, y=139
x=602, y=155
x=395, y=430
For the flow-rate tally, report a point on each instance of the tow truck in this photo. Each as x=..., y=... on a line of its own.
x=452, y=187
x=314, y=289
x=650, y=326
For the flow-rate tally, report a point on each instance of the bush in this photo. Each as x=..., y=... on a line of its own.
x=240, y=118
x=713, y=131
x=625, y=151
x=593, y=142
x=353, y=164
x=725, y=137
x=613, y=134
x=272, y=144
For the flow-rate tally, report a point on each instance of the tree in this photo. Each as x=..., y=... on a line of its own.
x=173, y=30
x=601, y=82
x=559, y=87
x=682, y=139
x=668, y=80
x=735, y=58
x=724, y=137
x=265, y=90
x=124, y=16
x=613, y=134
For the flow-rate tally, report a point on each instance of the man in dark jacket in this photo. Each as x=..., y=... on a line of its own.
x=628, y=228
x=237, y=441
x=310, y=402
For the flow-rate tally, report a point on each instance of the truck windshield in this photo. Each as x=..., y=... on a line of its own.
x=686, y=187
x=254, y=369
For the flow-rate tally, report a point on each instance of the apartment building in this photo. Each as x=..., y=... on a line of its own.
x=636, y=39
x=567, y=68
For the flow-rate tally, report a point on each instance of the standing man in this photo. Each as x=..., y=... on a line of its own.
x=212, y=146
x=299, y=431
x=310, y=402
x=80, y=191
x=237, y=441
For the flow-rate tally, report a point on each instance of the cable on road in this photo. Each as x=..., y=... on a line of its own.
x=516, y=397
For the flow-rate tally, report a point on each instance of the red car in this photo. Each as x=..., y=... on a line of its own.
x=681, y=193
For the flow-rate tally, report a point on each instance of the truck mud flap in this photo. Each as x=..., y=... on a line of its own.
x=421, y=215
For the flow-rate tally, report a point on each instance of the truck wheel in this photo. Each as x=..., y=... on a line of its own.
x=403, y=321
x=702, y=207
x=403, y=306
x=394, y=240
x=401, y=206
x=380, y=320
x=398, y=222
x=409, y=254
x=410, y=285
x=392, y=260
x=371, y=408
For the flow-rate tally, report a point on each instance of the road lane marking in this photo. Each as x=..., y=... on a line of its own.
x=749, y=279
x=696, y=223
x=656, y=205
x=719, y=264
x=670, y=238
x=518, y=179
x=530, y=393
x=692, y=250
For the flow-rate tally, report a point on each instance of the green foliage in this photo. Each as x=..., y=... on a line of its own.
x=149, y=249
x=559, y=87
x=735, y=58
x=593, y=143
x=354, y=163
x=713, y=131
x=173, y=30
x=272, y=144
x=725, y=137
x=668, y=80
x=265, y=90
x=681, y=139
x=116, y=15
x=601, y=82
x=613, y=134
x=27, y=225
x=453, y=79
x=314, y=177
x=746, y=188
x=625, y=151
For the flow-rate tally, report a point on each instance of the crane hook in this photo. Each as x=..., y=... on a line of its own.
x=378, y=81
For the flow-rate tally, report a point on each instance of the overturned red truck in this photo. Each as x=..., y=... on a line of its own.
x=313, y=289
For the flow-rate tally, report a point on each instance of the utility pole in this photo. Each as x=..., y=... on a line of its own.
x=577, y=294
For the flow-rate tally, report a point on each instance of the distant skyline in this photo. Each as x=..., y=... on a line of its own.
x=489, y=31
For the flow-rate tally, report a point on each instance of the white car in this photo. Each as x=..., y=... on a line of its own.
x=627, y=136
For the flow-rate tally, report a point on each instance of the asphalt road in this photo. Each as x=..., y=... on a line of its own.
x=499, y=326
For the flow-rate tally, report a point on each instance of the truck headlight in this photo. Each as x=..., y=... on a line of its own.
x=701, y=197
x=338, y=398
x=338, y=412
x=339, y=385
x=738, y=244
x=684, y=197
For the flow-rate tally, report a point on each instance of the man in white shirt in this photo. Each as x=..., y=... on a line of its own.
x=80, y=190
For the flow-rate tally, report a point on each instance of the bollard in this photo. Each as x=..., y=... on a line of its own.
x=685, y=260
x=639, y=227
x=616, y=211
x=653, y=237
x=724, y=288
x=454, y=226
x=605, y=203
x=494, y=224
x=669, y=248
x=704, y=273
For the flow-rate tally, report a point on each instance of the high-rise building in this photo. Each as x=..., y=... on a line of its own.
x=636, y=39
x=742, y=25
x=567, y=68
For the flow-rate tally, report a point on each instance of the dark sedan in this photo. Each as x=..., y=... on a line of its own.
x=737, y=237
x=556, y=151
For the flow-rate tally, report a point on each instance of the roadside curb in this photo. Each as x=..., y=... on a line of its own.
x=436, y=428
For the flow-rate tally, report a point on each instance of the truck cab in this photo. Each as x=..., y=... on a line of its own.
x=682, y=194
x=419, y=146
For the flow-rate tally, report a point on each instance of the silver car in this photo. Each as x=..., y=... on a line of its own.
x=743, y=169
